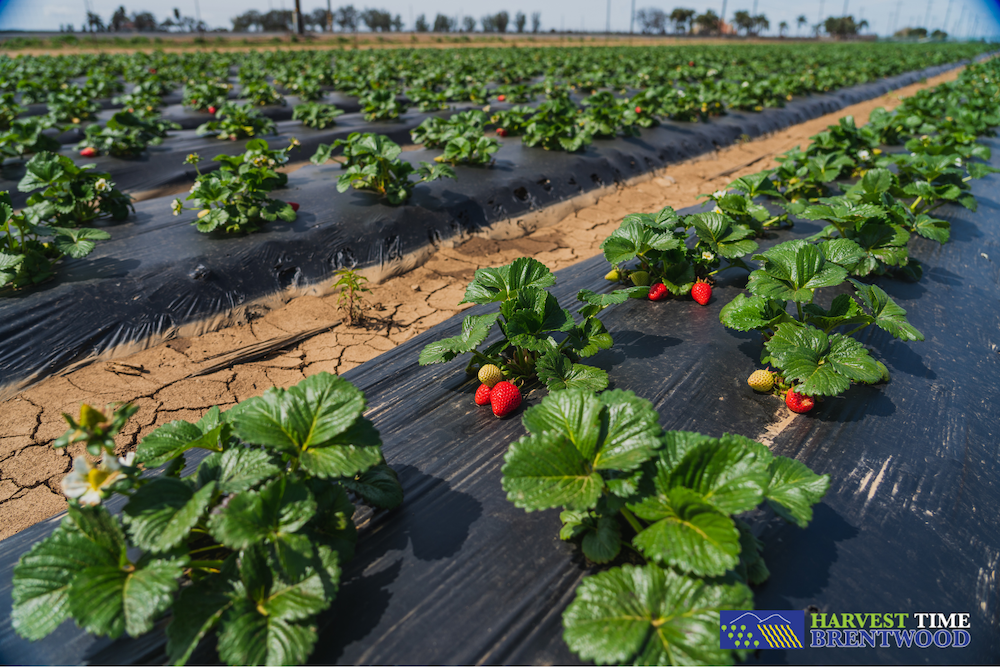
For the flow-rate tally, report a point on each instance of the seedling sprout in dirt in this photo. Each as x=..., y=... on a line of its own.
x=249, y=547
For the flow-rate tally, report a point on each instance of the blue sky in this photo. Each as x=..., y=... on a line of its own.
x=588, y=15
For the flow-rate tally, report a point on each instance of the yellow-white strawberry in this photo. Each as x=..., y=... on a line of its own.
x=490, y=375
x=761, y=380
x=613, y=274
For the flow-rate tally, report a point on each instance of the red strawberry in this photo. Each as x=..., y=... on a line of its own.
x=483, y=394
x=501, y=132
x=501, y=98
x=211, y=109
x=638, y=109
x=690, y=63
x=294, y=205
x=701, y=292
x=505, y=398
x=89, y=151
x=152, y=70
x=658, y=292
x=798, y=402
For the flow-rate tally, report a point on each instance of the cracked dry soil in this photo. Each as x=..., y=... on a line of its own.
x=160, y=380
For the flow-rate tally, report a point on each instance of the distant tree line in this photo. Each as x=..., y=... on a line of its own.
x=350, y=19
x=122, y=21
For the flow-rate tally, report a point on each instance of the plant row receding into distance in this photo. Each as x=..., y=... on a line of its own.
x=249, y=546
x=622, y=90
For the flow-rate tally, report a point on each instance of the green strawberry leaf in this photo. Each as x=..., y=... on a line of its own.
x=502, y=283
x=377, y=486
x=651, y=616
x=794, y=489
x=475, y=329
x=687, y=533
x=794, y=270
x=161, y=514
x=558, y=373
x=547, y=470
x=889, y=316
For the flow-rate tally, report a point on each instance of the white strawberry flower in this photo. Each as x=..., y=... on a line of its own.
x=863, y=154
x=719, y=194
x=716, y=210
x=87, y=484
x=102, y=185
x=176, y=207
x=711, y=72
x=707, y=256
x=958, y=162
x=680, y=93
x=745, y=84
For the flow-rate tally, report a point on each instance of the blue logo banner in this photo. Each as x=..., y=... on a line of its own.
x=762, y=629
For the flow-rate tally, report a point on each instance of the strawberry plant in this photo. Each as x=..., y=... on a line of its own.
x=126, y=134
x=317, y=115
x=511, y=121
x=70, y=195
x=249, y=547
x=26, y=136
x=427, y=99
x=810, y=355
x=200, y=95
x=260, y=93
x=556, y=125
x=371, y=162
x=604, y=115
x=233, y=199
x=71, y=105
x=237, y=121
x=9, y=110
x=673, y=500
x=530, y=318
x=461, y=135
x=25, y=258
x=381, y=104
x=659, y=243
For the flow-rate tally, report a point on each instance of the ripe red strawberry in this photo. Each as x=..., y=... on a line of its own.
x=152, y=70
x=505, y=398
x=483, y=394
x=211, y=109
x=294, y=205
x=658, y=292
x=89, y=151
x=701, y=292
x=501, y=132
x=798, y=402
x=690, y=63
x=638, y=109
x=501, y=98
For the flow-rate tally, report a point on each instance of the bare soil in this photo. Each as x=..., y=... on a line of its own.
x=170, y=382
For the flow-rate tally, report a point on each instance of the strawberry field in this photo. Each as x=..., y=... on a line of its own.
x=760, y=401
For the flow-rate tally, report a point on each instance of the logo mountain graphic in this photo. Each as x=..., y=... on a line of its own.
x=763, y=629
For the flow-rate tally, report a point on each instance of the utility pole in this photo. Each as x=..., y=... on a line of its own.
x=895, y=20
x=631, y=21
x=329, y=17
x=607, y=26
x=722, y=16
x=299, y=27
x=197, y=14
x=845, y=8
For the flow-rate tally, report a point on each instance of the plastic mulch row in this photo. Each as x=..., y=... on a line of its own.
x=458, y=575
x=164, y=165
